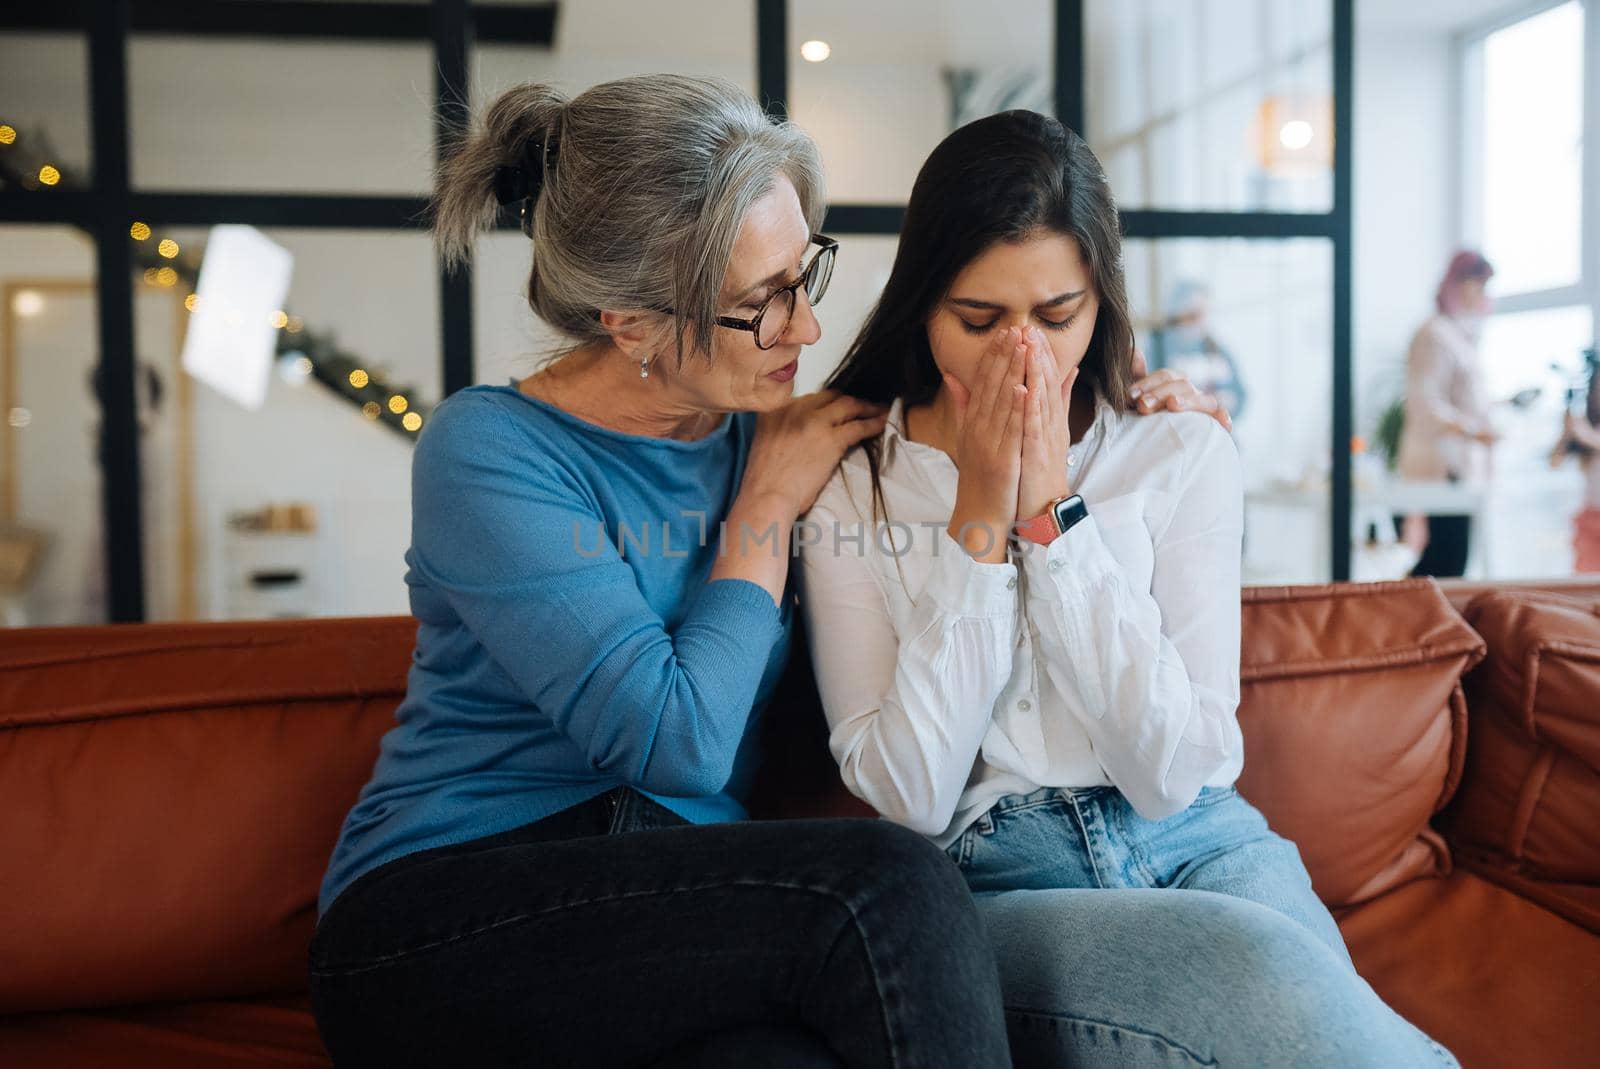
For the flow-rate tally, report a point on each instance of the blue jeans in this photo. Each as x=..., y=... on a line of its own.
x=1100, y=918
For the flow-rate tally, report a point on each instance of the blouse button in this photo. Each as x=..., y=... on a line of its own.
x=1024, y=705
x=1055, y=566
x=1011, y=584
x=1071, y=460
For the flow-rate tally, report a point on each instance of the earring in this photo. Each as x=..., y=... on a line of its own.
x=644, y=368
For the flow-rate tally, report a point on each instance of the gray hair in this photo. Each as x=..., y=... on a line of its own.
x=648, y=184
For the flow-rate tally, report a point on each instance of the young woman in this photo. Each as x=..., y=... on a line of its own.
x=1056, y=707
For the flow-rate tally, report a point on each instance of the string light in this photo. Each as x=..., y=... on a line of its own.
x=48, y=175
x=8, y=135
x=359, y=378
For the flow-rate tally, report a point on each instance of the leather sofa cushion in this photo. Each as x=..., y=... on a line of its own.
x=193, y=1035
x=1495, y=978
x=1355, y=726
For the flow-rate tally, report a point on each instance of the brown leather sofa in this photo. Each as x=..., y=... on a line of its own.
x=169, y=795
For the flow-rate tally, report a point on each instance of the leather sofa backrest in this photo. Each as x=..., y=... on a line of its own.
x=169, y=796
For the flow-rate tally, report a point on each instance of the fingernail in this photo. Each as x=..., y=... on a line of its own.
x=1133, y=393
x=1148, y=401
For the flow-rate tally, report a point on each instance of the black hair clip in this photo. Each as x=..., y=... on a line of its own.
x=523, y=181
x=512, y=183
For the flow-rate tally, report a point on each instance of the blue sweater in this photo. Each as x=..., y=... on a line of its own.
x=550, y=667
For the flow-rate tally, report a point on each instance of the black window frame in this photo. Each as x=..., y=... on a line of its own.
x=453, y=27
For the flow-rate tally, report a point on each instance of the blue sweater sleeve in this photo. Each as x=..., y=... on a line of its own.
x=516, y=549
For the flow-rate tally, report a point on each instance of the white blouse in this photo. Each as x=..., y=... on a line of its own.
x=1110, y=656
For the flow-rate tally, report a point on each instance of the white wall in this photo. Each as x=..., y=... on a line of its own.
x=1405, y=127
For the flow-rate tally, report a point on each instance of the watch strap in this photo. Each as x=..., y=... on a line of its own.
x=1057, y=518
x=1041, y=529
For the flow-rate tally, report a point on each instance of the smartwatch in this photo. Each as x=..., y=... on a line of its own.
x=1055, y=520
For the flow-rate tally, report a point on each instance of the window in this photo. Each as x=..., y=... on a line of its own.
x=1524, y=143
x=1523, y=205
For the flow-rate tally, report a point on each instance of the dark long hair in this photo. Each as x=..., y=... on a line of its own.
x=1007, y=177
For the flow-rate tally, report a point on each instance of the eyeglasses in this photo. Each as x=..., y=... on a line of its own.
x=771, y=320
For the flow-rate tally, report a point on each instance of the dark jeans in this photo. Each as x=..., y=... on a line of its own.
x=614, y=933
x=1445, y=556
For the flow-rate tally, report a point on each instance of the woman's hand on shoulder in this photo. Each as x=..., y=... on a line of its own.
x=799, y=444
x=1168, y=390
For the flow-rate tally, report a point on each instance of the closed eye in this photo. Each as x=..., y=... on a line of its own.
x=1047, y=323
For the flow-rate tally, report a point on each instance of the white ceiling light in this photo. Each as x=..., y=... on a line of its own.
x=1296, y=134
x=815, y=51
x=28, y=303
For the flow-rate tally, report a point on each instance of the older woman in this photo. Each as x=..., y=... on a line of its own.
x=549, y=865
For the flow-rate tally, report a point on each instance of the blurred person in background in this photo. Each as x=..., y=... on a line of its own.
x=1580, y=437
x=1183, y=341
x=1447, y=431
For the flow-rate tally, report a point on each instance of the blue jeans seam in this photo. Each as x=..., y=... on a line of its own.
x=1223, y=794
x=1114, y=1027
x=1135, y=850
x=964, y=849
x=1088, y=845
